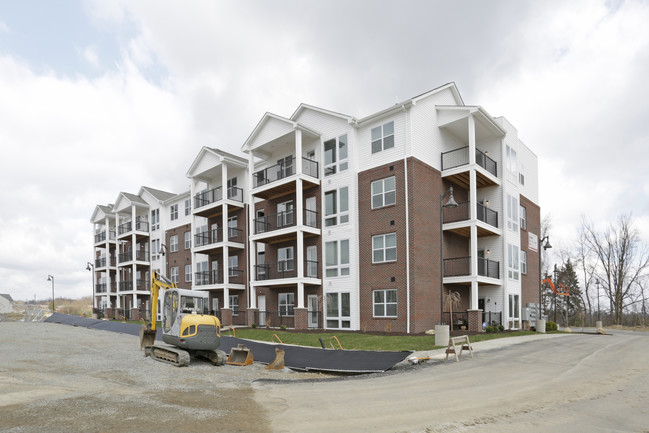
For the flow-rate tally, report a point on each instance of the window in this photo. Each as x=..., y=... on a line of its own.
x=188, y=240
x=521, y=173
x=512, y=261
x=233, y=266
x=285, y=260
x=337, y=258
x=384, y=248
x=173, y=243
x=384, y=192
x=513, y=306
x=338, y=310
x=155, y=219
x=286, y=303
x=337, y=207
x=173, y=212
x=385, y=303
x=512, y=213
x=335, y=155
x=188, y=273
x=383, y=137
x=234, y=304
x=232, y=227
x=511, y=164
x=523, y=212
x=523, y=262
x=285, y=167
x=188, y=206
x=285, y=214
x=155, y=249
x=174, y=274
x=233, y=192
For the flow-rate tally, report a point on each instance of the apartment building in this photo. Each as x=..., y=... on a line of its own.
x=335, y=222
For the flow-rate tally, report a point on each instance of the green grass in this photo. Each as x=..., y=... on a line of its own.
x=358, y=340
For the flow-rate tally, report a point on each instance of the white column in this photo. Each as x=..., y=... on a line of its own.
x=471, y=140
x=298, y=151
x=252, y=251
x=225, y=231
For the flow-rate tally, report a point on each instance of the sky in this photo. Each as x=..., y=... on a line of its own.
x=100, y=97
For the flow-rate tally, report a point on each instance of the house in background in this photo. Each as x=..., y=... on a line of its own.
x=6, y=303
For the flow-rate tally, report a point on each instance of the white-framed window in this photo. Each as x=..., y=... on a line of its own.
x=285, y=167
x=173, y=243
x=155, y=219
x=234, y=304
x=512, y=261
x=188, y=240
x=511, y=164
x=233, y=192
x=286, y=302
x=384, y=303
x=285, y=260
x=383, y=137
x=514, y=307
x=155, y=249
x=173, y=212
x=232, y=227
x=337, y=207
x=233, y=266
x=384, y=192
x=285, y=212
x=512, y=213
x=521, y=173
x=338, y=310
x=523, y=262
x=188, y=273
x=335, y=155
x=523, y=212
x=188, y=206
x=337, y=258
x=174, y=274
x=384, y=248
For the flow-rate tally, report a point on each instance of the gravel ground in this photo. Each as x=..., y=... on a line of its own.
x=63, y=378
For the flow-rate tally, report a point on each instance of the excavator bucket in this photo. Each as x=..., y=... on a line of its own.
x=278, y=362
x=147, y=338
x=240, y=355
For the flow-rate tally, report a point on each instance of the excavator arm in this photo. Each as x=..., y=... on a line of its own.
x=148, y=331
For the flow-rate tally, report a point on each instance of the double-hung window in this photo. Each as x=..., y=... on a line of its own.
x=188, y=206
x=512, y=261
x=338, y=310
x=385, y=303
x=523, y=262
x=286, y=303
x=384, y=192
x=285, y=260
x=174, y=274
x=233, y=232
x=173, y=243
x=188, y=273
x=173, y=212
x=234, y=304
x=188, y=240
x=335, y=155
x=383, y=137
x=511, y=164
x=512, y=213
x=337, y=258
x=233, y=266
x=337, y=207
x=523, y=212
x=155, y=219
x=384, y=248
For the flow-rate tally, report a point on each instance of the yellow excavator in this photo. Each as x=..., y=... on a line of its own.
x=187, y=328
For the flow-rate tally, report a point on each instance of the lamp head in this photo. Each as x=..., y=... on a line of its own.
x=451, y=201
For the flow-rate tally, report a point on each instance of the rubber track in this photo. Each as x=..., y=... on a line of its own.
x=170, y=355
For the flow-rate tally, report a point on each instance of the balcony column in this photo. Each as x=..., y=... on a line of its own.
x=252, y=245
x=471, y=127
x=298, y=151
x=224, y=229
x=299, y=256
x=473, y=305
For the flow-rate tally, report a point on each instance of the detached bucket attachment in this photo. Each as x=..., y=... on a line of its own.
x=147, y=338
x=240, y=355
x=278, y=362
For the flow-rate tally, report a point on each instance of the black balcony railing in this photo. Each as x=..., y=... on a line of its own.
x=100, y=262
x=461, y=266
x=275, y=319
x=140, y=226
x=100, y=237
x=491, y=318
x=275, y=221
x=235, y=194
x=125, y=286
x=124, y=228
x=206, y=197
x=125, y=257
x=488, y=268
x=101, y=288
x=311, y=269
x=274, y=173
x=113, y=286
x=311, y=218
x=216, y=235
x=274, y=271
x=142, y=285
x=487, y=215
x=142, y=256
x=310, y=167
x=459, y=157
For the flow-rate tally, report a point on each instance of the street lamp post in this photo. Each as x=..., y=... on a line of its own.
x=449, y=203
x=556, y=272
x=545, y=247
x=91, y=268
x=597, y=282
x=51, y=278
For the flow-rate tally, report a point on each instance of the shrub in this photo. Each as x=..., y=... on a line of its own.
x=501, y=328
x=491, y=328
x=283, y=327
x=550, y=326
x=254, y=325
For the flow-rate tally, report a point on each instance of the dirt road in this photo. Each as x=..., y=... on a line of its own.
x=61, y=378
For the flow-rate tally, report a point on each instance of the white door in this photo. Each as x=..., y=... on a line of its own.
x=312, y=261
x=261, y=304
x=310, y=213
x=215, y=274
x=312, y=302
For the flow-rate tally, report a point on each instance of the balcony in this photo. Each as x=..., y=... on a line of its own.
x=207, y=278
x=275, y=271
x=215, y=236
x=463, y=213
x=215, y=195
x=461, y=267
x=101, y=288
x=460, y=157
x=280, y=220
x=126, y=286
x=140, y=256
x=127, y=227
x=268, y=181
x=101, y=236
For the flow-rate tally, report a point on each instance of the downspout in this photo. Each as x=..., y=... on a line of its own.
x=405, y=165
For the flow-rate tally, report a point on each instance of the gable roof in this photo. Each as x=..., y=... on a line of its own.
x=282, y=127
x=7, y=297
x=302, y=107
x=157, y=193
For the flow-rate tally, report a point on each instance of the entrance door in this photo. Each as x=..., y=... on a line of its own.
x=312, y=261
x=261, y=304
x=312, y=302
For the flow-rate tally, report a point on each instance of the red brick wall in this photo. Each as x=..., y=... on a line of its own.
x=530, y=281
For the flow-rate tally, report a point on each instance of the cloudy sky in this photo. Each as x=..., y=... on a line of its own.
x=100, y=97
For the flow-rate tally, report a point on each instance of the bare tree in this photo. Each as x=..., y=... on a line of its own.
x=453, y=300
x=622, y=262
x=587, y=265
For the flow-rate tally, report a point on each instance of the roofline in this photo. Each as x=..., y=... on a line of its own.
x=267, y=115
x=303, y=106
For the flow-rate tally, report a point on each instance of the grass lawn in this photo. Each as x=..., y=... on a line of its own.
x=358, y=340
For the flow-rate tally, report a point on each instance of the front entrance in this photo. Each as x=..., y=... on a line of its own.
x=481, y=304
